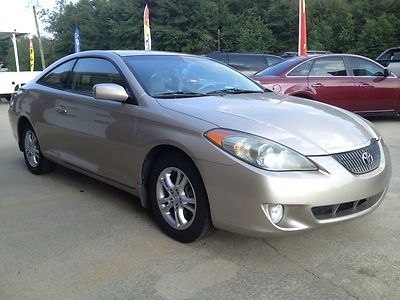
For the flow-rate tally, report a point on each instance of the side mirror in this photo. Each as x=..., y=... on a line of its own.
x=109, y=91
x=386, y=72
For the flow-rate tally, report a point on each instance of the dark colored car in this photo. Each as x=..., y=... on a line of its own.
x=390, y=58
x=247, y=63
x=289, y=54
x=348, y=81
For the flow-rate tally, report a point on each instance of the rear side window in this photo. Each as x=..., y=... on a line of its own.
x=390, y=55
x=247, y=62
x=328, y=67
x=395, y=56
x=59, y=77
x=90, y=71
x=302, y=70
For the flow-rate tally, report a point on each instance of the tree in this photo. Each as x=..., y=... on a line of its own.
x=355, y=26
x=378, y=34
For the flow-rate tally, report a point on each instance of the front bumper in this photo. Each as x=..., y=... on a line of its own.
x=239, y=195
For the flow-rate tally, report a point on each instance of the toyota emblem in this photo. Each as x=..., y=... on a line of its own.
x=367, y=158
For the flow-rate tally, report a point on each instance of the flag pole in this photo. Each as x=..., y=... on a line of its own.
x=302, y=48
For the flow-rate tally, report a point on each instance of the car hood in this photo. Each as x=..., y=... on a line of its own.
x=307, y=126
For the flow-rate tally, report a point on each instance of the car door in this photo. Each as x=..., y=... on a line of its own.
x=96, y=135
x=375, y=92
x=329, y=82
x=53, y=86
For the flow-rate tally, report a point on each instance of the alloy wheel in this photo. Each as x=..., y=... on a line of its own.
x=31, y=149
x=176, y=198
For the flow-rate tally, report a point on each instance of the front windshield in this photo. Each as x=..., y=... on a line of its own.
x=172, y=76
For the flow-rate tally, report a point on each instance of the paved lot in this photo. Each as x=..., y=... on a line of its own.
x=66, y=236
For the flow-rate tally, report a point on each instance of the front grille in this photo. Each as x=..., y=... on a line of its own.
x=353, y=160
x=344, y=209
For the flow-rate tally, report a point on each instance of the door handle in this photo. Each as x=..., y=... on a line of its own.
x=363, y=84
x=61, y=110
x=317, y=85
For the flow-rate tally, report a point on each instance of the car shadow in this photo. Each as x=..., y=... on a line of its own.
x=85, y=184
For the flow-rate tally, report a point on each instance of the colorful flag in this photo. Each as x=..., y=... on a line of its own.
x=147, y=34
x=31, y=56
x=77, y=40
x=302, y=28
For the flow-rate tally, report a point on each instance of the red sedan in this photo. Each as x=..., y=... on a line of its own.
x=349, y=81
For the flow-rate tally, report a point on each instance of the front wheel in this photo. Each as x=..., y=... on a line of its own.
x=34, y=158
x=178, y=198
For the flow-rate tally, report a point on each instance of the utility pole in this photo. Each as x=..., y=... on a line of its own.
x=39, y=38
x=219, y=40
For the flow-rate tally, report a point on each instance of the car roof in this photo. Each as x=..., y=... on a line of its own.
x=293, y=62
x=241, y=53
x=132, y=52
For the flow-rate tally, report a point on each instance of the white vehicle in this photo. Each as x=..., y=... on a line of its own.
x=11, y=81
x=390, y=58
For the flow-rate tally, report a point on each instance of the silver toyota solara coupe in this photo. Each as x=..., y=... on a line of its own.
x=200, y=143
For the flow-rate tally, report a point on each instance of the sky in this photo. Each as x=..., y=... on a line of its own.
x=18, y=14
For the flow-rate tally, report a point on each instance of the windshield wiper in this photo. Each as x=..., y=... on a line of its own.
x=234, y=91
x=181, y=94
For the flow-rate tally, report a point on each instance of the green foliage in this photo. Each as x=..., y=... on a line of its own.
x=349, y=26
x=379, y=33
x=7, y=53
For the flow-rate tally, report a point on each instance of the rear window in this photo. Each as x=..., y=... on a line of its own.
x=278, y=69
x=247, y=61
x=223, y=57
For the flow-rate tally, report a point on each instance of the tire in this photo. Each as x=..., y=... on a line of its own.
x=179, y=199
x=34, y=159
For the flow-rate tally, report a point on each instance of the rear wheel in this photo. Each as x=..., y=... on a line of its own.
x=34, y=158
x=178, y=198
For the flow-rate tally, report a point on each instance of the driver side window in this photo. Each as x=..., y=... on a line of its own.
x=90, y=71
x=363, y=67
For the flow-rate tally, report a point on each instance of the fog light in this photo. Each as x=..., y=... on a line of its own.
x=276, y=212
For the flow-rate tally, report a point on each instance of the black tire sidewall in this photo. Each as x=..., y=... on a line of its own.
x=202, y=220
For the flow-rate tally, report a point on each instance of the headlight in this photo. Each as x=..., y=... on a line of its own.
x=259, y=152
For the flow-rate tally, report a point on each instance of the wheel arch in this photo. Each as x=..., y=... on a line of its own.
x=149, y=161
x=23, y=122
